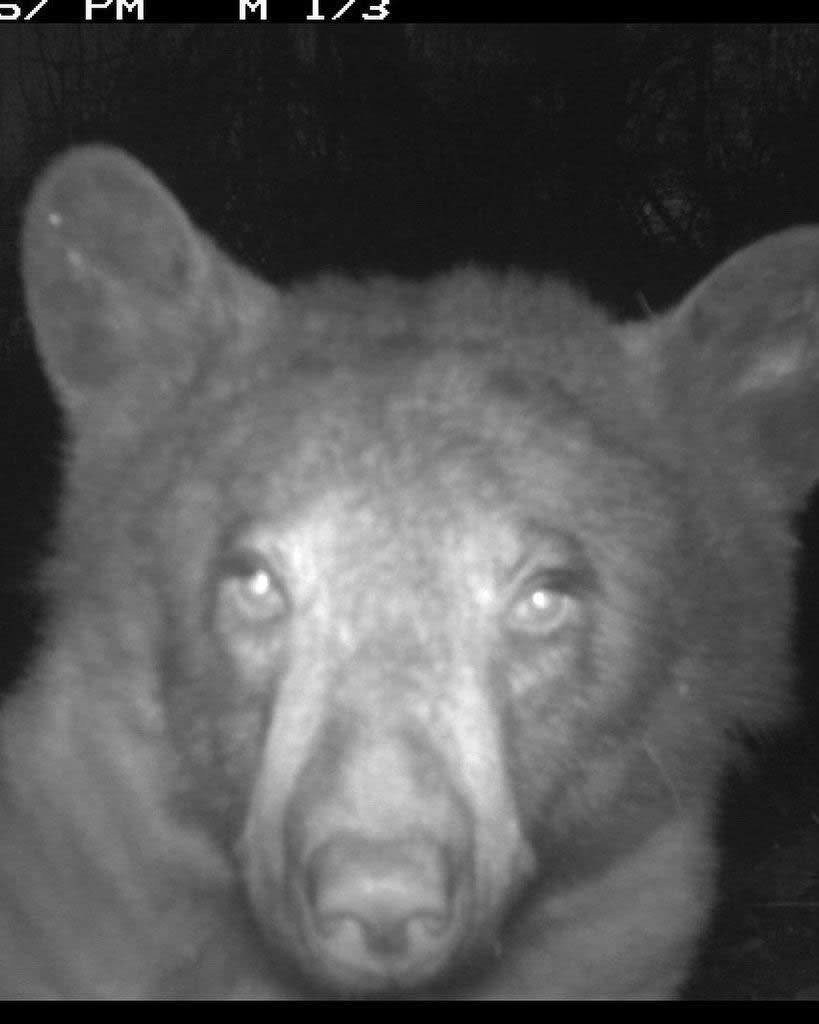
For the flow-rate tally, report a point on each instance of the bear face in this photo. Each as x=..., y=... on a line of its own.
x=399, y=631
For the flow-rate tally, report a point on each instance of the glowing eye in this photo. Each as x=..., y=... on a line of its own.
x=541, y=605
x=251, y=590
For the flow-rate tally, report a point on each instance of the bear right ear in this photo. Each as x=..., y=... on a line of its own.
x=116, y=280
x=740, y=365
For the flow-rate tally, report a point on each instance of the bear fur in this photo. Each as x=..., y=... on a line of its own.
x=398, y=633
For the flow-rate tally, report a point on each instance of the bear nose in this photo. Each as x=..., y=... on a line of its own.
x=382, y=907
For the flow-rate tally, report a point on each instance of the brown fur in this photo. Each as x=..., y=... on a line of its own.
x=399, y=633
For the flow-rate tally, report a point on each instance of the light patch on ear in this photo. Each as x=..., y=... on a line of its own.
x=76, y=259
x=774, y=366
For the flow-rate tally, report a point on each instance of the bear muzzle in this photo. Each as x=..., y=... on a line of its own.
x=383, y=912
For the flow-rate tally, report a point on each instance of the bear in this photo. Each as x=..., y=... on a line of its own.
x=398, y=633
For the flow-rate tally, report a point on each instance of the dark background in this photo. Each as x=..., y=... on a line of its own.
x=629, y=157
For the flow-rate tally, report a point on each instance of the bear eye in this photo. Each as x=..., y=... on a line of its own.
x=542, y=603
x=251, y=589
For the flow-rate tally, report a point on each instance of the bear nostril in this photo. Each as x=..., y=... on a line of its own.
x=390, y=937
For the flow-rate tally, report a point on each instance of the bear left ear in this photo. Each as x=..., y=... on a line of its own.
x=741, y=361
x=116, y=281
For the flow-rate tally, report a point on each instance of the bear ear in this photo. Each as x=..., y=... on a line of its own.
x=742, y=357
x=115, y=278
